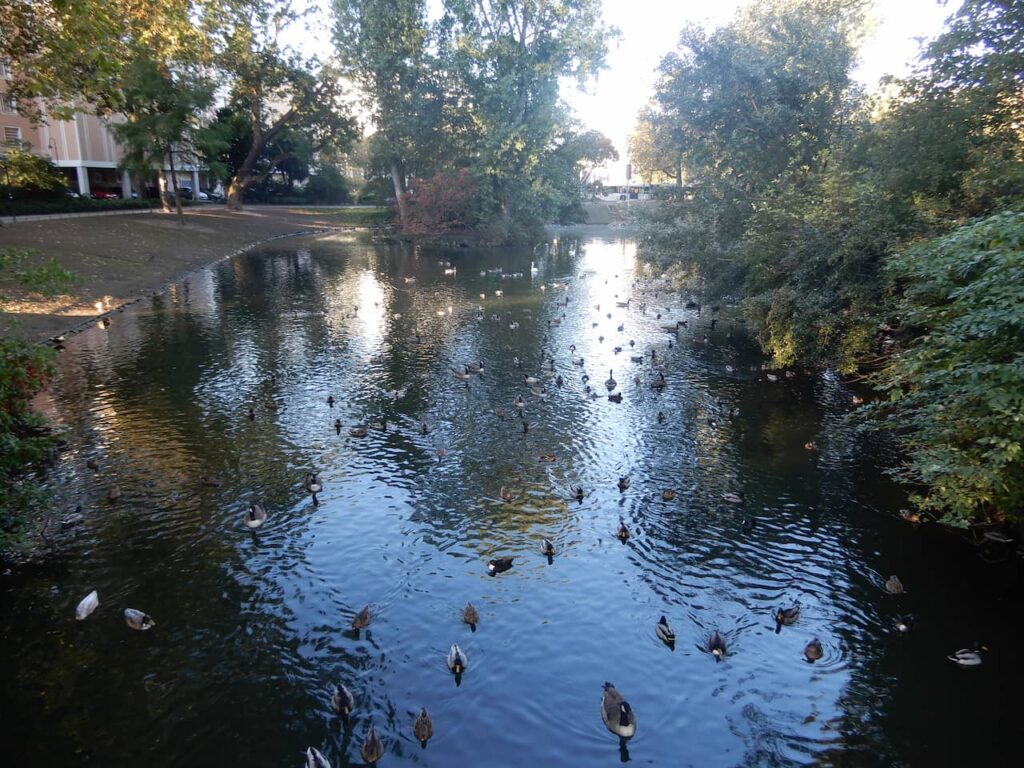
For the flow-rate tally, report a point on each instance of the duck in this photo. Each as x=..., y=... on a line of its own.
x=786, y=616
x=659, y=383
x=251, y=414
x=462, y=375
x=810, y=445
x=734, y=498
x=661, y=417
x=547, y=458
x=470, y=616
x=623, y=483
x=337, y=426
x=813, y=650
x=668, y=494
x=315, y=759
x=477, y=367
x=904, y=623
x=255, y=516
x=330, y=401
x=894, y=586
x=857, y=400
x=342, y=700
x=87, y=605
x=665, y=632
x=611, y=383
x=616, y=713
x=506, y=494
x=716, y=645
x=93, y=465
x=499, y=565
x=423, y=727
x=373, y=748
x=138, y=620
x=616, y=397
x=457, y=661
x=440, y=452
x=623, y=532
x=548, y=550
x=577, y=492
x=969, y=657
x=114, y=494
x=501, y=413
x=910, y=516
x=362, y=619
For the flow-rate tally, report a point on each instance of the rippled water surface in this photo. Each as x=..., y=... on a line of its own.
x=254, y=628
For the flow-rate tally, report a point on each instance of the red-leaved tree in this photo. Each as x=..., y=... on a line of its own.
x=439, y=204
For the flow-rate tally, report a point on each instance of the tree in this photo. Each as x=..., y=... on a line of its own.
x=30, y=175
x=656, y=155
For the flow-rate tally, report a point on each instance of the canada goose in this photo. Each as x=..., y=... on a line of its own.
x=659, y=383
x=894, y=586
x=611, y=383
x=477, y=367
x=209, y=482
x=734, y=498
x=337, y=426
x=342, y=700
x=87, y=605
x=373, y=748
x=462, y=375
x=969, y=657
x=615, y=397
x=457, y=661
x=138, y=620
x=330, y=401
x=499, y=565
x=255, y=516
x=623, y=532
x=716, y=645
x=786, y=616
x=362, y=619
x=423, y=727
x=577, y=361
x=665, y=632
x=904, y=623
x=530, y=380
x=314, y=759
x=506, y=494
x=616, y=713
x=548, y=550
x=577, y=492
x=813, y=650
x=668, y=494
x=520, y=402
x=251, y=414
x=312, y=483
x=470, y=616
x=623, y=483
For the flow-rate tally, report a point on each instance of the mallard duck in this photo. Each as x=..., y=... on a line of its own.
x=622, y=534
x=373, y=748
x=623, y=483
x=894, y=586
x=87, y=605
x=547, y=458
x=209, y=482
x=548, y=550
x=615, y=397
x=716, y=645
x=910, y=516
x=499, y=565
x=734, y=498
x=904, y=623
x=813, y=650
x=611, y=383
x=423, y=727
x=969, y=657
x=786, y=616
x=314, y=759
x=577, y=492
x=114, y=494
x=255, y=516
x=342, y=700
x=457, y=661
x=506, y=494
x=138, y=620
x=665, y=632
x=617, y=714
x=668, y=494
x=440, y=452
x=470, y=616
x=362, y=619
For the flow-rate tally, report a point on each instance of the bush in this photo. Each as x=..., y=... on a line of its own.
x=440, y=203
x=68, y=205
x=326, y=187
x=30, y=177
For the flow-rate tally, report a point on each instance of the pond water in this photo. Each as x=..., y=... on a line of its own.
x=253, y=628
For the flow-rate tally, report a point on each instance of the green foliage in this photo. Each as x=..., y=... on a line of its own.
x=326, y=187
x=956, y=393
x=29, y=177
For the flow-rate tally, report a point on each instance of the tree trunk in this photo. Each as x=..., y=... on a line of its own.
x=174, y=185
x=399, y=186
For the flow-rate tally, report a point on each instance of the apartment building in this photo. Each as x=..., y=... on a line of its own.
x=84, y=148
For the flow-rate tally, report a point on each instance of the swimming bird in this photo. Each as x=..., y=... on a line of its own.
x=616, y=713
x=577, y=492
x=255, y=516
x=904, y=623
x=114, y=494
x=894, y=586
x=716, y=645
x=813, y=650
x=342, y=700
x=786, y=616
x=209, y=482
x=734, y=498
x=665, y=632
x=546, y=458
x=506, y=494
x=969, y=657
x=330, y=401
x=441, y=453
x=462, y=375
x=623, y=532
x=499, y=565
x=519, y=402
x=477, y=367
x=313, y=485
x=470, y=616
x=615, y=397
x=93, y=465
x=373, y=748
x=668, y=494
x=623, y=483
x=423, y=727
x=611, y=383
x=661, y=417
x=910, y=516
x=548, y=550
x=337, y=426
x=315, y=759
x=87, y=605
x=659, y=383
x=362, y=619
x=138, y=620
x=457, y=661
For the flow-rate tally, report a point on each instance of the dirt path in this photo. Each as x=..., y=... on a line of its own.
x=116, y=259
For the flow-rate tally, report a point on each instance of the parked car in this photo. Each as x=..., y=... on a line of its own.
x=71, y=193
x=214, y=195
x=200, y=195
x=104, y=194
x=186, y=193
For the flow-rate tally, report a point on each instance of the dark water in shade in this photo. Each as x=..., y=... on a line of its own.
x=252, y=629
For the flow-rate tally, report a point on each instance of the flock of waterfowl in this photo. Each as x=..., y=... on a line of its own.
x=617, y=714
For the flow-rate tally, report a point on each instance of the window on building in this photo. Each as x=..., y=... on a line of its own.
x=12, y=134
x=8, y=104
x=5, y=69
